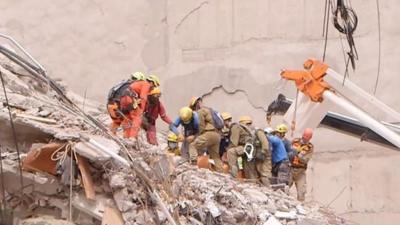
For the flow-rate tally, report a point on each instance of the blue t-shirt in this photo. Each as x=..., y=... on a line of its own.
x=277, y=147
x=191, y=128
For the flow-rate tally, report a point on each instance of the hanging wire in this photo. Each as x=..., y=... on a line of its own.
x=379, y=47
x=3, y=207
x=13, y=132
x=324, y=23
x=326, y=28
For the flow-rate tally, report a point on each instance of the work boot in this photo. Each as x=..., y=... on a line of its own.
x=265, y=181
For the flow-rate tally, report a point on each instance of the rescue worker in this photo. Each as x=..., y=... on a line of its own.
x=114, y=97
x=133, y=104
x=209, y=137
x=227, y=117
x=303, y=149
x=190, y=122
x=196, y=103
x=280, y=163
x=173, y=145
x=257, y=164
x=154, y=109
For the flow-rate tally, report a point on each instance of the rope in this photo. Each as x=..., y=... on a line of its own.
x=379, y=46
x=13, y=133
x=60, y=155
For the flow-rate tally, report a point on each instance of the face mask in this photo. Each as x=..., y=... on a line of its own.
x=172, y=145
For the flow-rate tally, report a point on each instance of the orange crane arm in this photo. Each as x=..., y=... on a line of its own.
x=309, y=81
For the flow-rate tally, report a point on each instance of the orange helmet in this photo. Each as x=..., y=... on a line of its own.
x=307, y=134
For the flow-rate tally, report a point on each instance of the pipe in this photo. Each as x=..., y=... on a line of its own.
x=103, y=149
x=364, y=118
x=23, y=50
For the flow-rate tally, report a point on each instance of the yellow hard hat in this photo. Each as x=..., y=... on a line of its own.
x=172, y=137
x=153, y=78
x=185, y=114
x=226, y=116
x=281, y=128
x=245, y=119
x=193, y=101
x=155, y=91
x=138, y=76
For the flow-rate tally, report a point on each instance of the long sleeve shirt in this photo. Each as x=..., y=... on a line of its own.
x=277, y=147
x=191, y=128
x=155, y=110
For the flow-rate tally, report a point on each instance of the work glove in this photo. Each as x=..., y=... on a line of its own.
x=181, y=138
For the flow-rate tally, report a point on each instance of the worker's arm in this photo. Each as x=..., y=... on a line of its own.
x=263, y=140
x=235, y=133
x=142, y=88
x=163, y=114
x=174, y=126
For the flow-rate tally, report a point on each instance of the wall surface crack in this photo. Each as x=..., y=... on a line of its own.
x=189, y=14
x=255, y=106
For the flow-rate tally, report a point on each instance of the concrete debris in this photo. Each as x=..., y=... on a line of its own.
x=292, y=215
x=272, y=221
x=190, y=195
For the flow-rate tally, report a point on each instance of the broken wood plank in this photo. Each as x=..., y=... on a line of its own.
x=112, y=216
x=87, y=179
x=39, y=159
x=38, y=119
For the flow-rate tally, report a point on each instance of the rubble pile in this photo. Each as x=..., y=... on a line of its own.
x=70, y=178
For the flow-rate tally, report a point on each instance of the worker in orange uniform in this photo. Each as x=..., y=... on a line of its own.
x=154, y=109
x=114, y=97
x=133, y=104
x=303, y=150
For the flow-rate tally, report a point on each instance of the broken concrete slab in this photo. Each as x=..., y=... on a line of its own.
x=33, y=182
x=93, y=208
x=45, y=220
x=272, y=221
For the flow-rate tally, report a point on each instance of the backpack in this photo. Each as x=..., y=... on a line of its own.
x=217, y=120
x=258, y=155
x=116, y=92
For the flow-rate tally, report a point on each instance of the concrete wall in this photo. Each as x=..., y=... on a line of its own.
x=231, y=51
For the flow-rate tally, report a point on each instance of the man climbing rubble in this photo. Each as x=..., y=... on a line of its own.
x=210, y=123
x=227, y=117
x=154, y=109
x=250, y=147
x=133, y=104
x=303, y=150
x=190, y=122
x=280, y=162
x=114, y=98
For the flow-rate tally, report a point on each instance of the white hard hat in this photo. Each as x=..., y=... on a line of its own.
x=268, y=130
